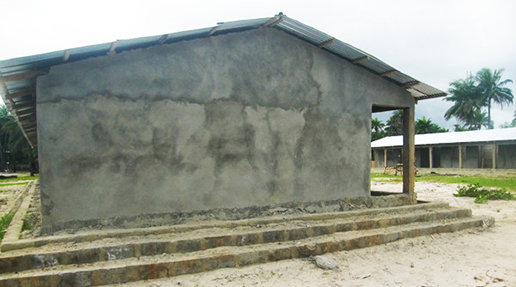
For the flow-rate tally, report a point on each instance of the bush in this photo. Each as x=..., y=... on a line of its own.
x=482, y=195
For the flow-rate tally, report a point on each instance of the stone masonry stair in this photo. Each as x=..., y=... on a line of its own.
x=198, y=250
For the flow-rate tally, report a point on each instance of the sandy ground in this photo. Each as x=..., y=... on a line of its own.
x=474, y=257
x=8, y=195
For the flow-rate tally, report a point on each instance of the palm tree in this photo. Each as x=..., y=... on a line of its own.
x=493, y=90
x=514, y=120
x=377, y=129
x=394, y=125
x=377, y=125
x=467, y=99
x=425, y=126
x=478, y=120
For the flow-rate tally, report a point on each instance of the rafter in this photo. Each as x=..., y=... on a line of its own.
x=21, y=94
x=112, y=48
x=326, y=43
x=213, y=30
x=26, y=112
x=24, y=105
x=273, y=21
x=410, y=84
x=361, y=59
x=22, y=76
x=387, y=73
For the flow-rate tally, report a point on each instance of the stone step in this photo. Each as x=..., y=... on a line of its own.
x=89, y=236
x=212, y=238
x=168, y=265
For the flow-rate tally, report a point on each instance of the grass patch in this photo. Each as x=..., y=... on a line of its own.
x=19, y=178
x=483, y=195
x=509, y=183
x=4, y=223
x=26, y=225
x=15, y=183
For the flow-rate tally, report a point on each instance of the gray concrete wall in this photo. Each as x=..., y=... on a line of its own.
x=449, y=157
x=249, y=118
x=470, y=156
x=506, y=156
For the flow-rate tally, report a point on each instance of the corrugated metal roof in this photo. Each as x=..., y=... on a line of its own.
x=495, y=135
x=17, y=76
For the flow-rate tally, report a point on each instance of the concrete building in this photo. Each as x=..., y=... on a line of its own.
x=253, y=112
x=472, y=149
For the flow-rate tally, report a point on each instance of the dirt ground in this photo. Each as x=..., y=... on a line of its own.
x=8, y=195
x=474, y=257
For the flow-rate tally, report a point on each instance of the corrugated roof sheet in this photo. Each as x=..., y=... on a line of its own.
x=17, y=76
x=495, y=135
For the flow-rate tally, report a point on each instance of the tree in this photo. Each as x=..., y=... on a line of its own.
x=425, y=126
x=478, y=120
x=514, y=120
x=493, y=90
x=394, y=126
x=14, y=148
x=377, y=125
x=467, y=99
x=472, y=94
x=377, y=131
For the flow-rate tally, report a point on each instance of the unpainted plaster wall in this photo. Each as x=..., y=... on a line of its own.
x=506, y=156
x=249, y=118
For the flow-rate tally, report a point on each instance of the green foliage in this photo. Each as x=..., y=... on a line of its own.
x=483, y=195
x=508, y=125
x=472, y=94
x=493, y=90
x=4, y=223
x=14, y=148
x=26, y=225
x=394, y=126
x=466, y=97
x=377, y=131
x=425, y=126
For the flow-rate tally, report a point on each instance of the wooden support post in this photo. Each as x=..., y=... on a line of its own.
x=385, y=157
x=495, y=153
x=408, y=152
x=480, y=156
x=431, y=156
x=460, y=156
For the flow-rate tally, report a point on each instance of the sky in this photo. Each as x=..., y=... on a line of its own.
x=434, y=41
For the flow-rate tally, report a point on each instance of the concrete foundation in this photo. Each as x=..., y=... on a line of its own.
x=250, y=118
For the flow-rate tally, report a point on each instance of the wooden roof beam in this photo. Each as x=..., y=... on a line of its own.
x=66, y=55
x=22, y=76
x=410, y=84
x=163, y=39
x=26, y=112
x=361, y=59
x=21, y=94
x=24, y=105
x=387, y=73
x=34, y=124
x=213, y=30
x=112, y=48
x=326, y=43
x=273, y=21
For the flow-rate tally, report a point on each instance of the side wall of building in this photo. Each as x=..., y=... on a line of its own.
x=249, y=118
